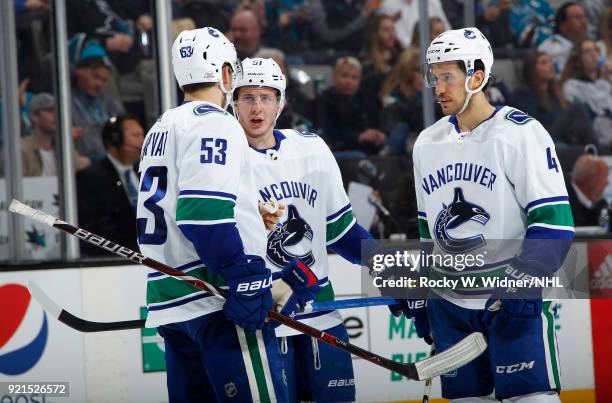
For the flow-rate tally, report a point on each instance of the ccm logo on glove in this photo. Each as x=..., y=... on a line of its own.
x=255, y=285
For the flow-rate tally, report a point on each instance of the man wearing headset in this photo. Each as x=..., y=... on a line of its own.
x=107, y=190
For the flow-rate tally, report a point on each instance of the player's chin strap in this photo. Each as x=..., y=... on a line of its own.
x=228, y=95
x=470, y=92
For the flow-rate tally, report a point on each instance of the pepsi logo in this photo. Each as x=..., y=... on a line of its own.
x=23, y=330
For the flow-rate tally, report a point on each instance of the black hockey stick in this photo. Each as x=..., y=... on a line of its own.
x=88, y=326
x=75, y=322
x=458, y=355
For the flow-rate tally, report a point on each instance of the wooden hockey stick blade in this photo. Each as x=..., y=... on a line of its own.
x=75, y=322
x=410, y=370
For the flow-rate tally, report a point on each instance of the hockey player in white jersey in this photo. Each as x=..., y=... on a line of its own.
x=484, y=176
x=197, y=212
x=298, y=170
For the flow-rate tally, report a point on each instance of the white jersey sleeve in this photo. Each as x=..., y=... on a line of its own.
x=339, y=212
x=197, y=207
x=210, y=160
x=533, y=168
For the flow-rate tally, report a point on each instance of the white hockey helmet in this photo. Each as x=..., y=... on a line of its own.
x=198, y=56
x=262, y=72
x=465, y=45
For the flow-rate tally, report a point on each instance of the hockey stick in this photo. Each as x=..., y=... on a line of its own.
x=75, y=322
x=87, y=326
x=348, y=303
x=456, y=356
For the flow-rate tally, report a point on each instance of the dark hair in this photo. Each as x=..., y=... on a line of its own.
x=478, y=65
x=574, y=67
x=112, y=132
x=372, y=52
x=561, y=14
x=189, y=88
x=532, y=82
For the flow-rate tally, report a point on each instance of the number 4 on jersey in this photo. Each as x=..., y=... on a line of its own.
x=552, y=161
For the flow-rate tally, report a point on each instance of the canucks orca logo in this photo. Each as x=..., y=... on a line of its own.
x=453, y=216
x=290, y=233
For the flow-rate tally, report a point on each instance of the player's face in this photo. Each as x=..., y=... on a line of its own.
x=449, y=86
x=257, y=108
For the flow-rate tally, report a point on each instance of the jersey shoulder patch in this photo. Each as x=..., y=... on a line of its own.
x=204, y=109
x=518, y=117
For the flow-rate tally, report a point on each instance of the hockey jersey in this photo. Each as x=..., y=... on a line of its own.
x=196, y=189
x=485, y=191
x=301, y=172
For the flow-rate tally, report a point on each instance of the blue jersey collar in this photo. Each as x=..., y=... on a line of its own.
x=278, y=136
x=455, y=122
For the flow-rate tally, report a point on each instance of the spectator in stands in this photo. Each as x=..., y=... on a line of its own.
x=594, y=10
x=25, y=97
x=34, y=43
x=91, y=107
x=497, y=92
x=30, y=5
x=99, y=19
x=409, y=15
x=605, y=41
x=38, y=157
x=340, y=25
x=346, y=117
x=107, y=190
x=206, y=13
x=288, y=25
x=436, y=27
x=570, y=28
x=541, y=97
x=245, y=34
x=137, y=87
x=495, y=23
x=492, y=18
x=381, y=52
x=258, y=7
x=585, y=82
x=531, y=22
x=401, y=116
x=586, y=185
